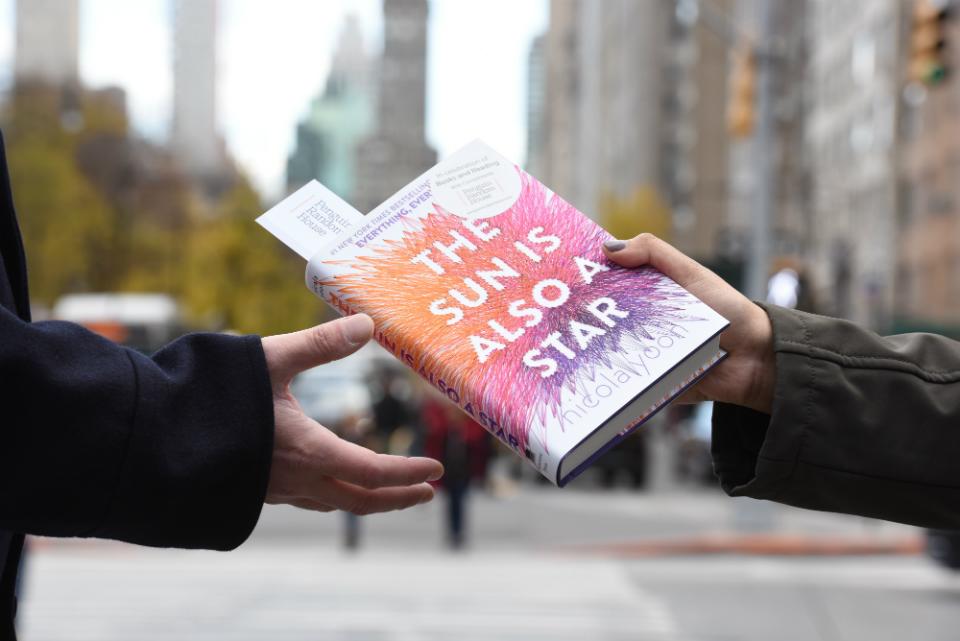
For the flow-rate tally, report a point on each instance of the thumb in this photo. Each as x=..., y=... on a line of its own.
x=647, y=249
x=289, y=354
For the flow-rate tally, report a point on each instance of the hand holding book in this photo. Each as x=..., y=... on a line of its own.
x=746, y=377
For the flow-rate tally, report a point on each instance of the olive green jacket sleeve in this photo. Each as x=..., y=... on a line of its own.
x=861, y=424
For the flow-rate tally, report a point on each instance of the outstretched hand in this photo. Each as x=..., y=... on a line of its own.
x=746, y=376
x=312, y=467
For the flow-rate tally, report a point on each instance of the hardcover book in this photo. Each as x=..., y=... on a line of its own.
x=495, y=290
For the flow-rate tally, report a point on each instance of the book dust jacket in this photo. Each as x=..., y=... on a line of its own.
x=495, y=290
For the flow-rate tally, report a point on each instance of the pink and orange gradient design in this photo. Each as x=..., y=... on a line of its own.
x=397, y=293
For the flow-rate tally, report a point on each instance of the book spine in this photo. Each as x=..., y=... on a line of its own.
x=320, y=279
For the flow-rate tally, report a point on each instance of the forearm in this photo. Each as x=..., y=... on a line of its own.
x=102, y=441
x=859, y=423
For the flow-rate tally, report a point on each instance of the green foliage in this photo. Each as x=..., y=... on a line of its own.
x=66, y=224
x=88, y=226
x=65, y=227
x=240, y=277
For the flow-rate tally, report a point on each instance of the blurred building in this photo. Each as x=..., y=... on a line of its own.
x=853, y=75
x=536, y=106
x=47, y=42
x=397, y=151
x=694, y=167
x=633, y=136
x=620, y=58
x=790, y=214
x=194, y=137
x=602, y=109
x=561, y=79
x=337, y=121
x=928, y=285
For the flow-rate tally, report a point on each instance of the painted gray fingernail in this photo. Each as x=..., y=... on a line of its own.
x=614, y=245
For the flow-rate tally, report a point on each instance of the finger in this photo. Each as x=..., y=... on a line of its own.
x=358, y=465
x=307, y=504
x=360, y=500
x=691, y=396
x=647, y=249
x=289, y=354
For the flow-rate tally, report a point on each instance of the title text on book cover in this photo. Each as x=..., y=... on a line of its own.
x=548, y=293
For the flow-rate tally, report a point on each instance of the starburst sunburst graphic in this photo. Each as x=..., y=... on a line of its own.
x=388, y=284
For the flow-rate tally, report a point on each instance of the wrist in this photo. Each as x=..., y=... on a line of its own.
x=762, y=378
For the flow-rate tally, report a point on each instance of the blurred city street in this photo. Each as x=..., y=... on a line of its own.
x=541, y=567
x=805, y=151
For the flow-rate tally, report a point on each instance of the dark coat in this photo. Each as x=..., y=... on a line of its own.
x=861, y=424
x=97, y=440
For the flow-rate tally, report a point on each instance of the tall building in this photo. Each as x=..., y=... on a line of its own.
x=337, y=120
x=536, y=106
x=633, y=135
x=194, y=137
x=47, y=42
x=790, y=215
x=621, y=48
x=561, y=82
x=693, y=141
x=851, y=131
x=602, y=99
x=928, y=284
x=397, y=150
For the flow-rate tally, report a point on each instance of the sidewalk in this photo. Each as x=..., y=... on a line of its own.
x=296, y=592
x=622, y=522
x=543, y=564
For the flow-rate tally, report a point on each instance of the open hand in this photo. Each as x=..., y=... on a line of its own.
x=312, y=467
x=746, y=377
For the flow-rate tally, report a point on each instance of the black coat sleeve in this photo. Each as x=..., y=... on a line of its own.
x=97, y=440
x=861, y=424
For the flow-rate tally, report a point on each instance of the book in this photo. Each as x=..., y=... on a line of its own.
x=496, y=291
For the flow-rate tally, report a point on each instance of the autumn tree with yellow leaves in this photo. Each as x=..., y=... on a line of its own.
x=103, y=212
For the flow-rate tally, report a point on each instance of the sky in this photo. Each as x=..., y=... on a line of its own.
x=273, y=58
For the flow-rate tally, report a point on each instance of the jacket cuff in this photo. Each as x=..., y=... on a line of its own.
x=198, y=459
x=755, y=454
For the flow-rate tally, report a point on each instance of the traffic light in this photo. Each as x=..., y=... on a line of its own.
x=743, y=83
x=928, y=41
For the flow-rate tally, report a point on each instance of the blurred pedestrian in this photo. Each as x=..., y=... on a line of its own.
x=355, y=429
x=463, y=446
x=396, y=424
x=790, y=287
x=820, y=413
x=180, y=449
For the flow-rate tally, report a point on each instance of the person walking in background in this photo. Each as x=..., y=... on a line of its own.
x=393, y=416
x=820, y=413
x=789, y=286
x=463, y=446
x=356, y=429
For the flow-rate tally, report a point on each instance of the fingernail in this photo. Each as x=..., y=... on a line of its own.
x=436, y=476
x=614, y=245
x=356, y=329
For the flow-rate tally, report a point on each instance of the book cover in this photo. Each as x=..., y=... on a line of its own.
x=495, y=290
